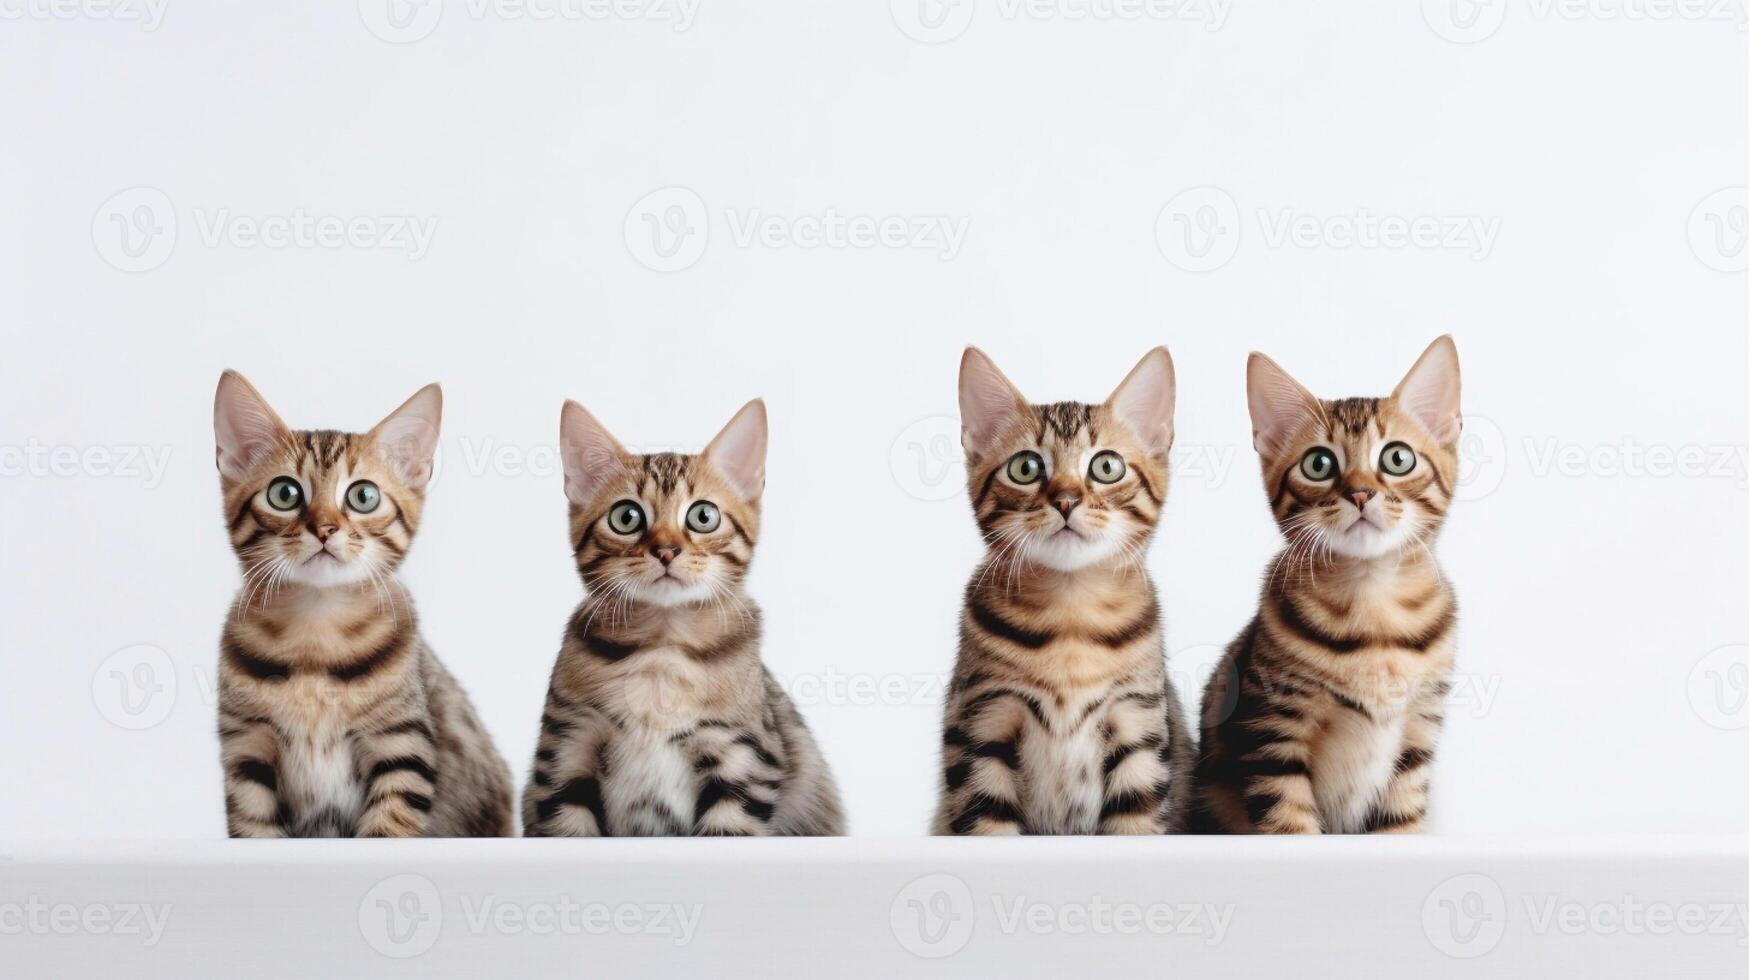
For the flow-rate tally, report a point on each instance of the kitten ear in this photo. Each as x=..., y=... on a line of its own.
x=1430, y=392
x=245, y=427
x=738, y=452
x=989, y=403
x=1145, y=400
x=407, y=438
x=1280, y=406
x=591, y=455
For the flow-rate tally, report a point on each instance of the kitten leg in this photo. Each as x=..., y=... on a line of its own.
x=982, y=766
x=563, y=796
x=1137, y=778
x=397, y=764
x=739, y=779
x=1275, y=783
x=1403, y=810
x=250, y=752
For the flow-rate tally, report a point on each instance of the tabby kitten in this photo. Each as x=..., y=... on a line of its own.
x=335, y=718
x=1060, y=718
x=661, y=719
x=1323, y=715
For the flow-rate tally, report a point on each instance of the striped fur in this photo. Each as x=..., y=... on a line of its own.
x=1060, y=717
x=1324, y=715
x=661, y=719
x=335, y=718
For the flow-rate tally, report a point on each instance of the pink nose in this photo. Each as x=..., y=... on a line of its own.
x=1360, y=497
x=326, y=531
x=666, y=554
x=1066, y=502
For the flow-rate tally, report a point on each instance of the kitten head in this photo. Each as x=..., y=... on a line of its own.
x=1067, y=485
x=665, y=528
x=321, y=508
x=1363, y=477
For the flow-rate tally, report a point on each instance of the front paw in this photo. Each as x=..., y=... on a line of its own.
x=398, y=817
x=1133, y=825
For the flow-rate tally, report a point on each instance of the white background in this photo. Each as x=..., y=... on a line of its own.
x=1602, y=670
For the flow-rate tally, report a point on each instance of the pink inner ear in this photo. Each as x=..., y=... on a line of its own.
x=244, y=427
x=738, y=452
x=1286, y=412
x=1145, y=400
x=1280, y=406
x=590, y=454
x=1431, y=394
x=1435, y=412
x=407, y=439
x=587, y=470
x=989, y=404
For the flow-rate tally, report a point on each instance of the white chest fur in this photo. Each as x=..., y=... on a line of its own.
x=1062, y=774
x=650, y=789
x=650, y=786
x=1351, y=767
x=319, y=781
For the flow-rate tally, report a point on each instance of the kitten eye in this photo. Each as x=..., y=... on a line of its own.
x=1319, y=465
x=1026, y=467
x=1397, y=459
x=704, y=517
x=626, y=517
x=1108, y=467
x=363, y=496
x=285, y=494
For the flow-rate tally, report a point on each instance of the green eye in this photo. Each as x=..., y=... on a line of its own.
x=1108, y=467
x=703, y=517
x=626, y=517
x=1397, y=459
x=363, y=496
x=285, y=494
x=1319, y=465
x=1026, y=468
